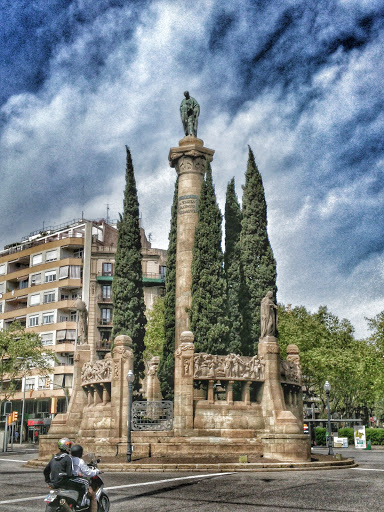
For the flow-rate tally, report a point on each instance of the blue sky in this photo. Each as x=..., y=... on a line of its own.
x=301, y=82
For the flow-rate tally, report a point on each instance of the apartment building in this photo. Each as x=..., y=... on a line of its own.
x=41, y=279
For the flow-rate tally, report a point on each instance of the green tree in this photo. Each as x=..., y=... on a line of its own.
x=154, y=331
x=208, y=318
x=259, y=265
x=21, y=353
x=233, y=270
x=329, y=351
x=128, y=297
x=167, y=363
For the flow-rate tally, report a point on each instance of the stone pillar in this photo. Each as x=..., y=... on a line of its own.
x=189, y=159
x=122, y=362
x=183, y=401
x=211, y=393
x=283, y=438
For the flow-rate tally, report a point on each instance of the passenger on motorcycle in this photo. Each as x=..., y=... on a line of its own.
x=58, y=471
x=81, y=470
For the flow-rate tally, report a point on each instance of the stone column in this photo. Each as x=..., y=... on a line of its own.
x=122, y=362
x=283, y=438
x=189, y=160
x=183, y=401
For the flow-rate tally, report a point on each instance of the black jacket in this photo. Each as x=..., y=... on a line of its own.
x=58, y=470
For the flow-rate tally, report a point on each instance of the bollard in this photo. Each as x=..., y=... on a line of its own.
x=369, y=445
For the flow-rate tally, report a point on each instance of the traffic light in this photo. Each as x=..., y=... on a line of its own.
x=15, y=416
x=47, y=383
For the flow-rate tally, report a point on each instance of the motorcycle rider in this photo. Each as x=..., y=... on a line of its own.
x=58, y=471
x=81, y=470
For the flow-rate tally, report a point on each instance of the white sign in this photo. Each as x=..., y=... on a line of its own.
x=359, y=434
x=340, y=442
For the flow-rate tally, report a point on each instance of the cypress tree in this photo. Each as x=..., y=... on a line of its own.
x=208, y=319
x=233, y=270
x=259, y=265
x=166, y=372
x=127, y=287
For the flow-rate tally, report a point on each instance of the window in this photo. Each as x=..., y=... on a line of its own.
x=33, y=321
x=29, y=384
x=1, y=307
x=49, y=297
x=107, y=291
x=35, y=279
x=44, y=383
x=107, y=269
x=23, y=284
x=48, y=318
x=50, y=276
x=2, y=287
x=78, y=254
x=63, y=318
x=51, y=255
x=73, y=316
x=65, y=335
x=37, y=259
x=47, y=338
x=163, y=270
x=64, y=272
x=75, y=272
x=34, y=300
x=106, y=316
x=2, y=269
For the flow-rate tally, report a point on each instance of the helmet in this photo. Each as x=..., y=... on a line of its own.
x=77, y=450
x=64, y=444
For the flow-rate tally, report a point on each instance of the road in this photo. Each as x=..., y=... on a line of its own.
x=360, y=489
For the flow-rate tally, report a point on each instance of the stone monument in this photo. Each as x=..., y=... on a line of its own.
x=223, y=404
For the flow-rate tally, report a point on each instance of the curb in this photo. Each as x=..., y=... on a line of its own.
x=217, y=468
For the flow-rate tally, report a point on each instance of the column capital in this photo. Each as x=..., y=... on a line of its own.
x=189, y=147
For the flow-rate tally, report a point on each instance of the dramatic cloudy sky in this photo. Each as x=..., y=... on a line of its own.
x=301, y=82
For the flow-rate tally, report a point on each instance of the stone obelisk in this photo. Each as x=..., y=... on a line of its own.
x=189, y=160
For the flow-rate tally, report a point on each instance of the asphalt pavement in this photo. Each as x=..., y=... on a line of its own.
x=350, y=490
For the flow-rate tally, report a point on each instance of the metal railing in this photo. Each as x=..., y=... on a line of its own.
x=157, y=415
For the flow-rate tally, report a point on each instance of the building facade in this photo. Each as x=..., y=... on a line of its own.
x=41, y=278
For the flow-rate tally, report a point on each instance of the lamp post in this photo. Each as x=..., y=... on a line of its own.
x=130, y=379
x=25, y=361
x=327, y=389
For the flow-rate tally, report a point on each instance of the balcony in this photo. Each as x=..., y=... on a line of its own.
x=104, y=300
x=103, y=346
x=105, y=322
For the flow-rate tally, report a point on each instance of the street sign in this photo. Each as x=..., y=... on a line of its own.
x=359, y=434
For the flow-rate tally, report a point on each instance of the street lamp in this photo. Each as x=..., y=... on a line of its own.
x=327, y=389
x=130, y=379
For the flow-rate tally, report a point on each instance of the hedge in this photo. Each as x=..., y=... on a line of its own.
x=375, y=435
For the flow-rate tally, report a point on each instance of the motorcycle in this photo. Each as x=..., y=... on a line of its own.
x=69, y=500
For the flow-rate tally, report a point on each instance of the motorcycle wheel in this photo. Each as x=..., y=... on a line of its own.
x=103, y=505
x=51, y=507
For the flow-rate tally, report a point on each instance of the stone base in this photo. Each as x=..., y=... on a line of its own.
x=287, y=447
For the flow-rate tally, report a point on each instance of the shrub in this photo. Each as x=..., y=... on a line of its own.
x=347, y=432
x=320, y=436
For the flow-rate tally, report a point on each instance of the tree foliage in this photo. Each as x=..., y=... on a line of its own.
x=259, y=265
x=128, y=297
x=233, y=271
x=21, y=354
x=167, y=362
x=208, y=319
x=329, y=351
x=154, y=331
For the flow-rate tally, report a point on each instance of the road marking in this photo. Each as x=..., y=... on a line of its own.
x=14, y=460
x=368, y=469
x=194, y=477
x=18, y=500
x=166, y=481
